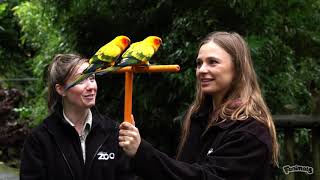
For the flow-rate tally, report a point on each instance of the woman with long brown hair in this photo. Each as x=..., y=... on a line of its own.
x=228, y=131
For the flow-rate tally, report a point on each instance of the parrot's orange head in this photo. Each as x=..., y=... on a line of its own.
x=154, y=41
x=124, y=41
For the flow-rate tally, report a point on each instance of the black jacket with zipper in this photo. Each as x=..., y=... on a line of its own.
x=232, y=150
x=53, y=151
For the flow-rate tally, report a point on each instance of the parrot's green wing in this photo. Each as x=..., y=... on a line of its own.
x=105, y=57
x=129, y=61
x=93, y=67
x=109, y=53
x=141, y=51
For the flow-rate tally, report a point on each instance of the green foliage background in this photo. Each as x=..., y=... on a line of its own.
x=284, y=37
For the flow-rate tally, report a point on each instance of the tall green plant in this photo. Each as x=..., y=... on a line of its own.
x=44, y=34
x=12, y=55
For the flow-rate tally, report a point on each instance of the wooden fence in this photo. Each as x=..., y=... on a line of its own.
x=291, y=122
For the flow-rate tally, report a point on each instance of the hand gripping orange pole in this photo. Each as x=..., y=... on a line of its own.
x=129, y=71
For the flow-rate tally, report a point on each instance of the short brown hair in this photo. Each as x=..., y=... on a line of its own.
x=59, y=70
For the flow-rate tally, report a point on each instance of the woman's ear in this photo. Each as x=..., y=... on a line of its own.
x=60, y=89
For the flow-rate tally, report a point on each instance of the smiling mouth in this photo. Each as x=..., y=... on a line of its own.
x=90, y=96
x=206, y=80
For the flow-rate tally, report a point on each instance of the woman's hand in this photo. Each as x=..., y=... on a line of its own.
x=129, y=138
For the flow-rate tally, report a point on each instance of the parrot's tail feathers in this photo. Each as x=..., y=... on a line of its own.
x=91, y=68
x=107, y=70
x=117, y=61
x=77, y=81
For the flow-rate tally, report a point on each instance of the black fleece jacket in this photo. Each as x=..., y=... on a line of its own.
x=232, y=150
x=53, y=151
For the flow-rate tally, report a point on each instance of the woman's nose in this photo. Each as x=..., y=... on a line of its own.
x=91, y=84
x=203, y=68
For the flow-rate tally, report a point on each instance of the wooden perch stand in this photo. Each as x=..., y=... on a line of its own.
x=129, y=71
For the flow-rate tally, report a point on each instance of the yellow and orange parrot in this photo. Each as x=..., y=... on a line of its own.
x=106, y=56
x=138, y=53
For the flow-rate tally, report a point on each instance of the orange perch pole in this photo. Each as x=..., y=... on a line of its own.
x=129, y=82
x=128, y=97
x=129, y=71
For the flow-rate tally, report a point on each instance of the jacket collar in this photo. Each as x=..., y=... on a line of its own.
x=202, y=116
x=87, y=122
x=56, y=120
x=65, y=135
x=226, y=124
x=204, y=112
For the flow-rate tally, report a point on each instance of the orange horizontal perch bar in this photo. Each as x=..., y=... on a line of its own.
x=151, y=68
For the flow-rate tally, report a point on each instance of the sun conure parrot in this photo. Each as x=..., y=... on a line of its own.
x=139, y=53
x=103, y=58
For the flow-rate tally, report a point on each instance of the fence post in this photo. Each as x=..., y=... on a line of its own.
x=316, y=152
x=289, y=147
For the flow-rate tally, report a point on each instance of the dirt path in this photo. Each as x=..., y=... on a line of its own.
x=7, y=173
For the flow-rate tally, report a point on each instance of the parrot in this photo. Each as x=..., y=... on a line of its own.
x=106, y=56
x=139, y=53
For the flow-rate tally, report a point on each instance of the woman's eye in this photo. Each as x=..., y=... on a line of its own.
x=212, y=61
x=92, y=77
x=198, y=64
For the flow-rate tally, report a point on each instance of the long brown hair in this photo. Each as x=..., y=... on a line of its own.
x=245, y=89
x=60, y=69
